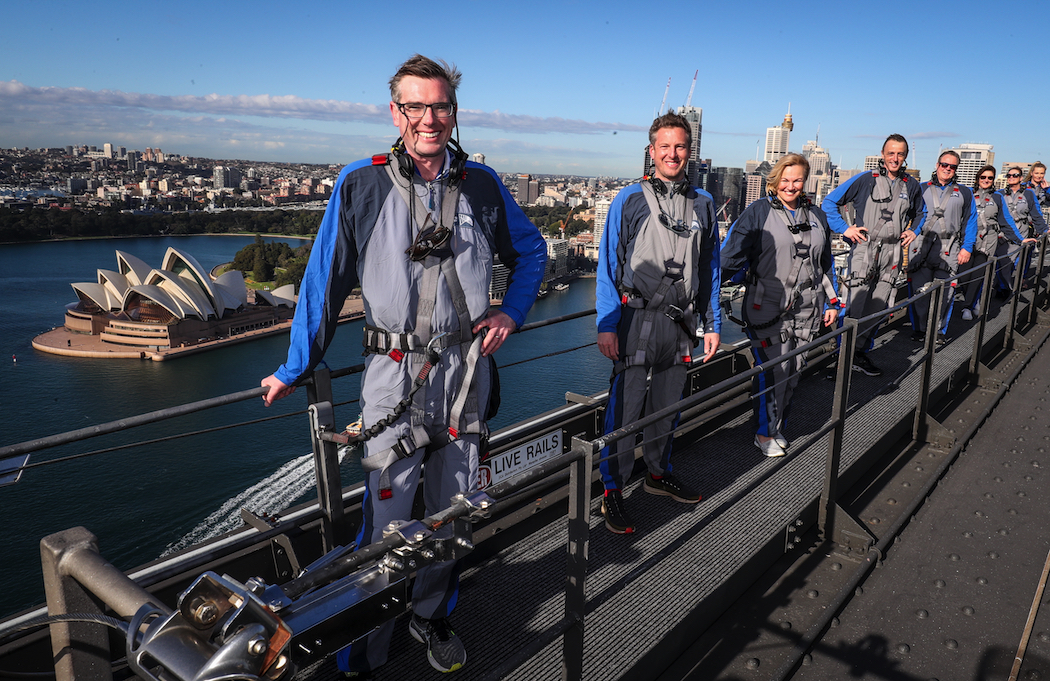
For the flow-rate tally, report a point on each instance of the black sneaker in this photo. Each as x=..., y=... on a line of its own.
x=444, y=649
x=616, y=518
x=668, y=485
x=918, y=336
x=941, y=339
x=864, y=365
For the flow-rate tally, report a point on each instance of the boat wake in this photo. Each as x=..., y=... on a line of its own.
x=269, y=496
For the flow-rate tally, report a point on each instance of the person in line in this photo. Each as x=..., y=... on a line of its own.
x=1023, y=205
x=886, y=202
x=1036, y=181
x=996, y=231
x=947, y=232
x=657, y=278
x=780, y=247
x=417, y=229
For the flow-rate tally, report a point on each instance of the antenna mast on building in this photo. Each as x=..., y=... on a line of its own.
x=689, y=99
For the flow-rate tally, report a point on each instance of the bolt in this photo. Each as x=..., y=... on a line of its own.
x=280, y=664
x=206, y=613
x=257, y=645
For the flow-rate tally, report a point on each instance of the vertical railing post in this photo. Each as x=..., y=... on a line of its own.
x=1033, y=312
x=932, y=325
x=326, y=465
x=576, y=572
x=988, y=277
x=1015, y=296
x=81, y=649
x=829, y=496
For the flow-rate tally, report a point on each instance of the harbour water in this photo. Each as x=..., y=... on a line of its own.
x=144, y=501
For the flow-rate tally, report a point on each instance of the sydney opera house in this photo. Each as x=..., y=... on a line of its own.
x=178, y=305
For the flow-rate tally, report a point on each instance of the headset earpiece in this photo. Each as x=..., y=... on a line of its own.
x=658, y=185
x=774, y=199
x=405, y=166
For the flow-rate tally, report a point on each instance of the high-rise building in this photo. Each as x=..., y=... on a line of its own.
x=694, y=115
x=971, y=157
x=778, y=138
x=601, y=212
x=478, y=158
x=872, y=162
x=523, y=188
x=107, y=150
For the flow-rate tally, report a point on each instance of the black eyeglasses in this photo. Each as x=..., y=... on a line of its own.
x=948, y=165
x=419, y=109
x=423, y=246
x=1013, y=174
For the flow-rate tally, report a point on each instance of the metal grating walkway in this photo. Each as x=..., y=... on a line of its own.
x=643, y=587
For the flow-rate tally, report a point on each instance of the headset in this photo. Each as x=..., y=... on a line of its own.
x=407, y=168
x=680, y=187
x=882, y=167
x=803, y=199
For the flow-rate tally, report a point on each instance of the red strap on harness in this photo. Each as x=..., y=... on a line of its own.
x=380, y=160
x=385, y=494
x=395, y=355
x=453, y=433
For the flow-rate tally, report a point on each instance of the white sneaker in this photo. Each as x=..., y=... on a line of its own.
x=770, y=447
x=782, y=441
x=967, y=315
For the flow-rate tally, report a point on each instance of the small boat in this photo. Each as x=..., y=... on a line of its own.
x=560, y=287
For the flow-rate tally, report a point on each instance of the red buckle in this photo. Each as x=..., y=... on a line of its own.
x=385, y=494
x=687, y=359
x=756, y=306
x=833, y=301
x=453, y=433
x=395, y=355
x=624, y=299
x=380, y=160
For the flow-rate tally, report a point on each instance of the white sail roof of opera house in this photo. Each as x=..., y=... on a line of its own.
x=181, y=286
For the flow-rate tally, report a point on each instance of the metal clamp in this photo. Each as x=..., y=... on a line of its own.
x=479, y=502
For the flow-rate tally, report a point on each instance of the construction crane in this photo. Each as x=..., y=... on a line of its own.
x=664, y=100
x=689, y=99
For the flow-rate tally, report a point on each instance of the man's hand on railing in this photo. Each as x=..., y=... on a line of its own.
x=277, y=389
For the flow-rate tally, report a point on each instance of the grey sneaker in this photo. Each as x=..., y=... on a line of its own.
x=444, y=649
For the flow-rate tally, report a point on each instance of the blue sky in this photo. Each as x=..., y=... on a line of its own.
x=548, y=87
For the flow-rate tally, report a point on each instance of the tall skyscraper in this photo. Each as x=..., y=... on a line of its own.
x=778, y=138
x=601, y=212
x=694, y=116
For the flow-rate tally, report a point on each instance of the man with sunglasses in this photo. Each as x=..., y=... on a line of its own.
x=417, y=229
x=658, y=279
x=885, y=202
x=948, y=230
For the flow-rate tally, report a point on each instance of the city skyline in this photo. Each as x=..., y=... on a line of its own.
x=566, y=92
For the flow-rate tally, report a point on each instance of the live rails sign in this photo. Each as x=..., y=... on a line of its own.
x=506, y=464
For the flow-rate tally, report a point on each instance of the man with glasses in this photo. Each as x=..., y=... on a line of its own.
x=417, y=229
x=948, y=230
x=658, y=278
x=885, y=202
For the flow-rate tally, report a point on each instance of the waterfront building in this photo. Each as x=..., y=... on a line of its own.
x=601, y=212
x=557, y=257
x=177, y=305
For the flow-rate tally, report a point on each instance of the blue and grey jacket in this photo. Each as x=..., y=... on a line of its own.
x=993, y=221
x=950, y=213
x=787, y=270
x=1026, y=212
x=363, y=238
x=864, y=191
x=618, y=272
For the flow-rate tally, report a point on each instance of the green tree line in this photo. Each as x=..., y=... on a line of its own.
x=38, y=224
x=273, y=261
x=549, y=219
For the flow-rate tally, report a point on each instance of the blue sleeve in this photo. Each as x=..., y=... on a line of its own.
x=522, y=249
x=970, y=219
x=918, y=208
x=740, y=242
x=712, y=317
x=1004, y=217
x=607, y=297
x=331, y=274
x=1038, y=219
x=845, y=193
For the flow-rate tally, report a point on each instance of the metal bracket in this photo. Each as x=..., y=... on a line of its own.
x=285, y=561
x=574, y=398
x=480, y=504
x=852, y=540
x=938, y=436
